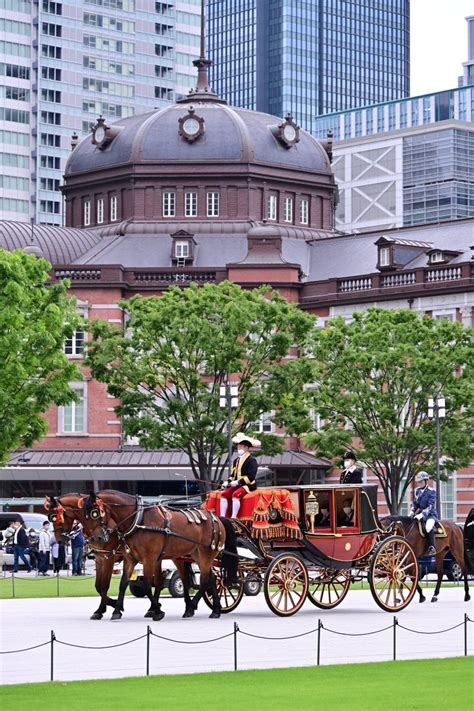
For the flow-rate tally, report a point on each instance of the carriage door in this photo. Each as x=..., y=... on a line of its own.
x=347, y=510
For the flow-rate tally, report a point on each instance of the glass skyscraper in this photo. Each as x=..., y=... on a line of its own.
x=64, y=63
x=308, y=57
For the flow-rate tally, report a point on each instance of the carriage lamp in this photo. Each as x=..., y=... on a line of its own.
x=312, y=508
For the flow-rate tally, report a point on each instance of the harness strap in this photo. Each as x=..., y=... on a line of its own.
x=137, y=520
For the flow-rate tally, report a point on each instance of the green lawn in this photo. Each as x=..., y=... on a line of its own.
x=38, y=586
x=407, y=686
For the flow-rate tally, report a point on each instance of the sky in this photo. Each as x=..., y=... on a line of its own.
x=438, y=43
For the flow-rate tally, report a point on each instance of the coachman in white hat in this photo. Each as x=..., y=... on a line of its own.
x=244, y=475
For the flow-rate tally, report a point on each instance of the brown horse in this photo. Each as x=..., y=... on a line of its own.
x=151, y=532
x=62, y=512
x=453, y=541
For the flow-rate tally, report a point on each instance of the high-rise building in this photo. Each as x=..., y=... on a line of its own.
x=406, y=162
x=62, y=64
x=308, y=58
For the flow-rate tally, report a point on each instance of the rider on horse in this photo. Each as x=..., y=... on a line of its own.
x=424, y=509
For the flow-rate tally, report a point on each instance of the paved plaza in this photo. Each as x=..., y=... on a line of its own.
x=28, y=622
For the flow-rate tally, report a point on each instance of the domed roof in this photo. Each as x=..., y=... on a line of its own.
x=231, y=135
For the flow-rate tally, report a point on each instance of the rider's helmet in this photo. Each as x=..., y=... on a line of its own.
x=423, y=476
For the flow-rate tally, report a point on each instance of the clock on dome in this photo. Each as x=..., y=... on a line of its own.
x=191, y=127
x=288, y=133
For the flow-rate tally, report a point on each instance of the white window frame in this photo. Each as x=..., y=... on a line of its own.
x=436, y=257
x=190, y=204
x=272, y=205
x=76, y=341
x=444, y=315
x=265, y=420
x=212, y=202
x=384, y=257
x=73, y=406
x=169, y=204
x=113, y=208
x=100, y=211
x=304, y=211
x=452, y=499
x=87, y=212
x=288, y=209
x=181, y=249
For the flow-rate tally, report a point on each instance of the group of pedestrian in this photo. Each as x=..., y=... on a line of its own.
x=44, y=549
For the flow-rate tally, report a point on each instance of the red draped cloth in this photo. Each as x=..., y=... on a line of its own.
x=256, y=508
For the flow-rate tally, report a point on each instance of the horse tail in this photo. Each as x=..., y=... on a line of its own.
x=468, y=551
x=229, y=557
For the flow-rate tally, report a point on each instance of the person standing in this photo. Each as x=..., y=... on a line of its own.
x=244, y=475
x=20, y=544
x=77, y=547
x=44, y=547
x=424, y=509
x=58, y=553
x=351, y=474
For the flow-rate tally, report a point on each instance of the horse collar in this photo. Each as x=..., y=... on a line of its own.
x=137, y=520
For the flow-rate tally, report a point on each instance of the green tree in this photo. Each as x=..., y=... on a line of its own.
x=179, y=348
x=35, y=320
x=372, y=380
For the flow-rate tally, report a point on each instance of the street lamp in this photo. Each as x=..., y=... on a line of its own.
x=183, y=476
x=229, y=399
x=437, y=411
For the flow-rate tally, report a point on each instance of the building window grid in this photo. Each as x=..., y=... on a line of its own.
x=169, y=204
x=304, y=211
x=212, y=204
x=87, y=212
x=272, y=203
x=288, y=209
x=190, y=204
x=100, y=211
x=72, y=418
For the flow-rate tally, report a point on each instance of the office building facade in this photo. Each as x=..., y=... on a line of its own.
x=406, y=162
x=62, y=64
x=308, y=58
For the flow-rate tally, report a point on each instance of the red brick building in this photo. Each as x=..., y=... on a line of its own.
x=201, y=192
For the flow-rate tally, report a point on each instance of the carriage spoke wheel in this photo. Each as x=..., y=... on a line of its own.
x=286, y=584
x=327, y=588
x=393, y=574
x=229, y=598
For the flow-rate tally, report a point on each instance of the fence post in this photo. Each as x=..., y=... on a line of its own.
x=395, y=623
x=148, y=633
x=53, y=637
x=13, y=584
x=318, y=655
x=236, y=629
x=465, y=634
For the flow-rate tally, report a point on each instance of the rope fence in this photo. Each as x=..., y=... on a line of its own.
x=234, y=634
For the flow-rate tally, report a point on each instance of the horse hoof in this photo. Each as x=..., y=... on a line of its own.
x=150, y=613
x=188, y=613
x=422, y=599
x=116, y=616
x=97, y=616
x=158, y=616
x=214, y=615
x=434, y=599
x=467, y=598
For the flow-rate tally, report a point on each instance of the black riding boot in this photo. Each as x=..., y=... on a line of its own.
x=432, y=546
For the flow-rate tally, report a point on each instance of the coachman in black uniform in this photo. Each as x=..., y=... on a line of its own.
x=244, y=475
x=351, y=474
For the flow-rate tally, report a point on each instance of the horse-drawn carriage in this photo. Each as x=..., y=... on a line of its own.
x=301, y=553
x=303, y=542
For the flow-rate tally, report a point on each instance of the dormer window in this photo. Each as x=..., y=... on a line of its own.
x=384, y=257
x=436, y=257
x=182, y=249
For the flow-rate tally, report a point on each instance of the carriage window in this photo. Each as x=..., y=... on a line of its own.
x=318, y=510
x=345, y=508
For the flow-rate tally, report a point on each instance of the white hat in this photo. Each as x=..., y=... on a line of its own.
x=242, y=438
x=423, y=475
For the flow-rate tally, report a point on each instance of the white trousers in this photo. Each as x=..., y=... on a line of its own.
x=430, y=522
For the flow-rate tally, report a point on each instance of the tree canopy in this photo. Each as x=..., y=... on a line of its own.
x=179, y=348
x=35, y=321
x=372, y=380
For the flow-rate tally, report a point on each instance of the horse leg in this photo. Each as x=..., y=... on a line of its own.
x=467, y=596
x=103, y=575
x=184, y=570
x=420, y=593
x=149, y=571
x=439, y=570
x=155, y=608
x=128, y=566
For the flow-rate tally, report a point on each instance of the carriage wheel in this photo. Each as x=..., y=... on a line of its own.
x=229, y=598
x=327, y=588
x=286, y=584
x=393, y=574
